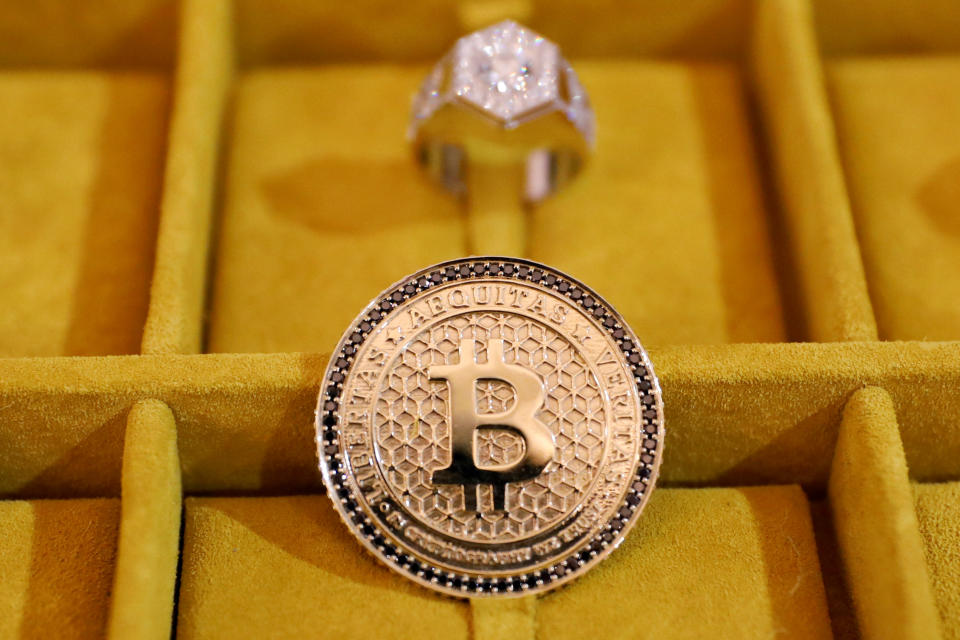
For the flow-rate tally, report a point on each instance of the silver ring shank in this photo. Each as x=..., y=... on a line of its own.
x=545, y=170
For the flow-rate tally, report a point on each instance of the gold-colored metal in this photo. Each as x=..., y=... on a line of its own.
x=469, y=470
x=490, y=426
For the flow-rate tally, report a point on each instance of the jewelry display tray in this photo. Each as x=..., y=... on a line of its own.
x=197, y=197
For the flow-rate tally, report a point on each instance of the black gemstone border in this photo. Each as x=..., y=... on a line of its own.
x=464, y=584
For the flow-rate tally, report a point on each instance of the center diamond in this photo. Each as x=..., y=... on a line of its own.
x=506, y=70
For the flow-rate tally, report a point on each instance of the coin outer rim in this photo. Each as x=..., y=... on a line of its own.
x=435, y=577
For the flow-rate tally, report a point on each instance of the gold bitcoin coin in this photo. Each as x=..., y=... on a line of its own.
x=489, y=426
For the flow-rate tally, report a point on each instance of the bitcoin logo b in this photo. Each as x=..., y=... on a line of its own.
x=520, y=418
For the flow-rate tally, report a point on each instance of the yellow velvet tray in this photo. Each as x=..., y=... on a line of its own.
x=196, y=197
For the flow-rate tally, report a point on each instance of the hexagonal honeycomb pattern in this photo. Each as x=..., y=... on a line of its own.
x=494, y=396
x=412, y=432
x=498, y=446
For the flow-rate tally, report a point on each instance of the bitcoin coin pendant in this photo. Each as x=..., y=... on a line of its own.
x=489, y=426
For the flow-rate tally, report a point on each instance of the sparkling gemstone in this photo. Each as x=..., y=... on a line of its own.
x=506, y=70
x=508, y=73
x=429, y=98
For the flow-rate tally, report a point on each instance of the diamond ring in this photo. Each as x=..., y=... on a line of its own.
x=503, y=91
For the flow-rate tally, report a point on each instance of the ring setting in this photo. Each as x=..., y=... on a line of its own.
x=504, y=78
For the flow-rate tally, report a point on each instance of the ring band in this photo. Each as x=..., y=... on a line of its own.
x=505, y=88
